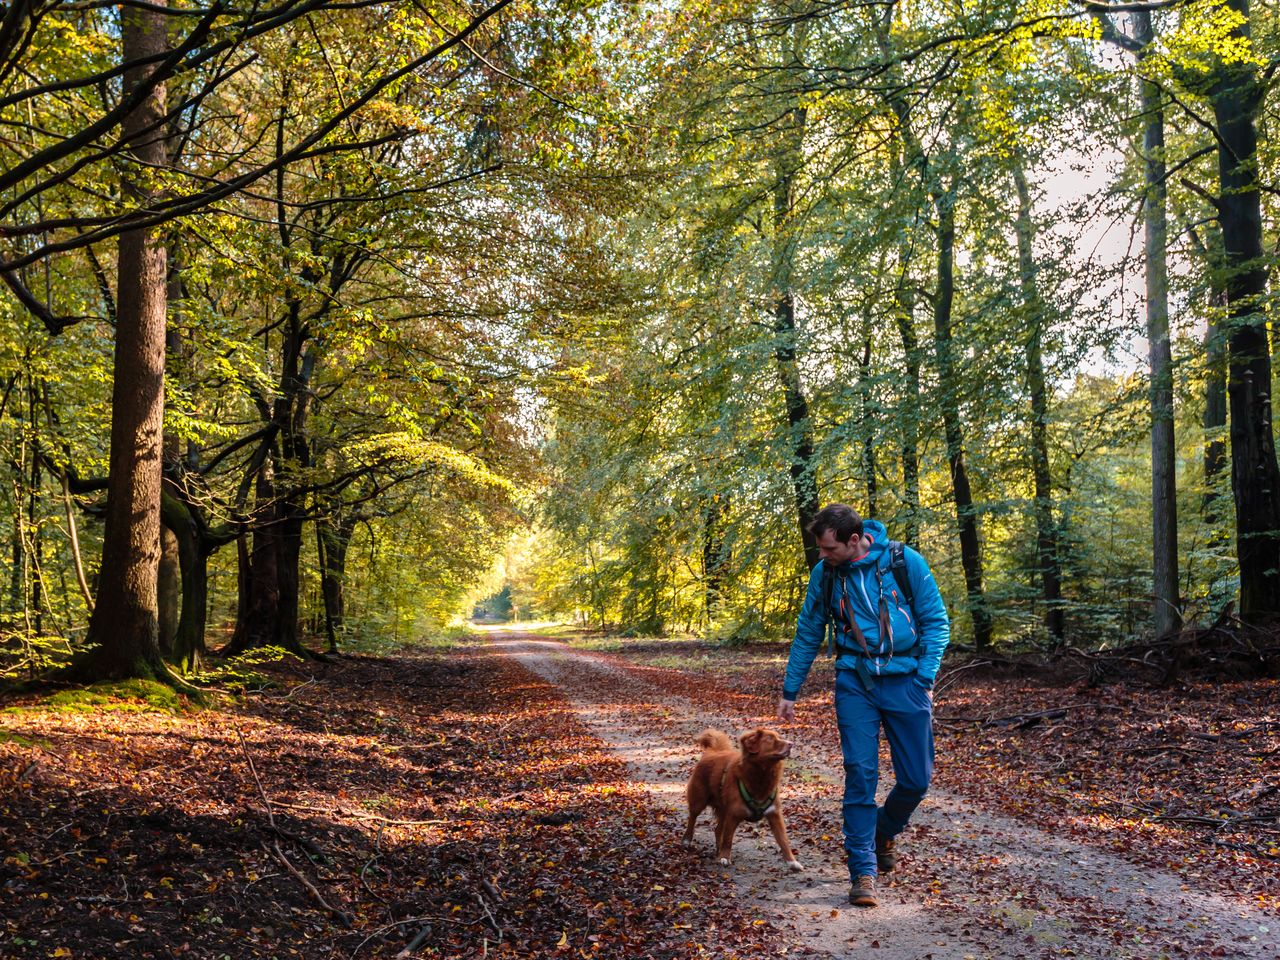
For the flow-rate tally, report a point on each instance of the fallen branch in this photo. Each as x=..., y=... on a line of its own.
x=1021, y=720
x=360, y=815
x=402, y=923
x=341, y=916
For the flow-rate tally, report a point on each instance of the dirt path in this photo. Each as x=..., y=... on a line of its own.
x=990, y=886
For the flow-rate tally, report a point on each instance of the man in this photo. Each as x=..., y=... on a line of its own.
x=890, y=627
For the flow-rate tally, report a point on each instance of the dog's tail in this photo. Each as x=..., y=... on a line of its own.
x=710, y=740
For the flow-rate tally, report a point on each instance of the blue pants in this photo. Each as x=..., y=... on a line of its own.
x=902, y=705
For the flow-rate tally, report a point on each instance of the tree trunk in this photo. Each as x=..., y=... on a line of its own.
x=244, y=581
x=867, y=424
x=334, y=541
x=910, y=409
x=906, y=154
x=1215, y=414
x=1167, y=609
x=1047, y=559
x=948, y=383
x=259, y=622
x=125, y=621
x=33, y=523
x=288, y=558
x=168, y=591
x=188, y=645
x=1255, y=478
x=804, y=482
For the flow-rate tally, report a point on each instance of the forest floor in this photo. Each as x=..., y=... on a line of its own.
x=520, y=796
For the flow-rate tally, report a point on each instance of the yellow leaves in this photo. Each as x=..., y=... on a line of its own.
x=1208, y=36
x=408, y=448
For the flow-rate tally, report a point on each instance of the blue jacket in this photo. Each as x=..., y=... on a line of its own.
x=921, y=628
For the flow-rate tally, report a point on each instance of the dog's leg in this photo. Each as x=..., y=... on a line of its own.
x=780, y=834
x=724, y=839
x=694, y=812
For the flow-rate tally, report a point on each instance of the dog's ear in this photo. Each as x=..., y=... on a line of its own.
x=751, y=741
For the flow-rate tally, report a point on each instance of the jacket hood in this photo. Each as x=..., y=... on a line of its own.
x=879, y=544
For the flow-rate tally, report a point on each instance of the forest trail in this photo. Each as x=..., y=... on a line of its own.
x=973, y=884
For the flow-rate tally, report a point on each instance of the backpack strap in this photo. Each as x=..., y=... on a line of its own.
x=898, y=566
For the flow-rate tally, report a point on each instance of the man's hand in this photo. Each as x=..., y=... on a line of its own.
x=786, y=710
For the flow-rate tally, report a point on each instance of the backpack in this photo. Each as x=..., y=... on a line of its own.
x=897, y=566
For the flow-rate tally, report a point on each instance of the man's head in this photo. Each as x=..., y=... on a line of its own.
x=838, y=530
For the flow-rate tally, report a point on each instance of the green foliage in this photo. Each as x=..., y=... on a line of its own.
x=238, y=674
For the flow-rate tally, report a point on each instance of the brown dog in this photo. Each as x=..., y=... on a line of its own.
x=739, y=785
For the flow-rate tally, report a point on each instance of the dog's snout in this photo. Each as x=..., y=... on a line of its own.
x=786, y=748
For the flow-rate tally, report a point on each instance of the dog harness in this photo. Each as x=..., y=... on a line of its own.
x=757, y=810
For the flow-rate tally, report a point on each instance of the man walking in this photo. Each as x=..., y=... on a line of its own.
x=889, y=629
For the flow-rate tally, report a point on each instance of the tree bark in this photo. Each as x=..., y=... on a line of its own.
x=125, y=622
x=904, y=155
x=867, y=425
x=1255, y=479
x=334, y=541
x=910, y=409
x=1047, y=549
x=258, y=624
x=1215, y=415
x=187, y=648
x=1167, y=606
x=948, y=383
x=804, y=483
x=168, y=591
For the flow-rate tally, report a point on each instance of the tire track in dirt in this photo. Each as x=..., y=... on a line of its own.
x=974, y=885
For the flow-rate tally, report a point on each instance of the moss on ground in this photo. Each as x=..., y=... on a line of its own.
x=120, y=696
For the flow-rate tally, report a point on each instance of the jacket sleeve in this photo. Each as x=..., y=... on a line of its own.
x=811, y=628
x=931, y=617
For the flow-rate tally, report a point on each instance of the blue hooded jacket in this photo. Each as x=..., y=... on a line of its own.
x=921, y=629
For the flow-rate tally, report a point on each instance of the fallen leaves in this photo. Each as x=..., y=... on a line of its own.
x=144, y=835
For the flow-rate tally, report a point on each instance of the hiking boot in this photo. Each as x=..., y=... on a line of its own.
x=886, y=858
x=863, y=892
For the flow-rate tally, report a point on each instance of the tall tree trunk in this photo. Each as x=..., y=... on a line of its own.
x=1255, y=477
x=904, y=316
x=188, y=645
x=1167, y=607
x=168, y=591
x=804, y=482
x=1215, y=378
x=905, y=155
x=1215, y=414
x=334, y=540
x=787, y=160
x=244, y=582
x=33, y=521
x=169, y=585
x=867, y=424
x=292, y=408
x=125, y=622
x=949, y=386
x=288, y=559
x=1050, y=569
x=259, y=621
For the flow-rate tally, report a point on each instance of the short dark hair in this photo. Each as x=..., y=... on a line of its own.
x=841, y=519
